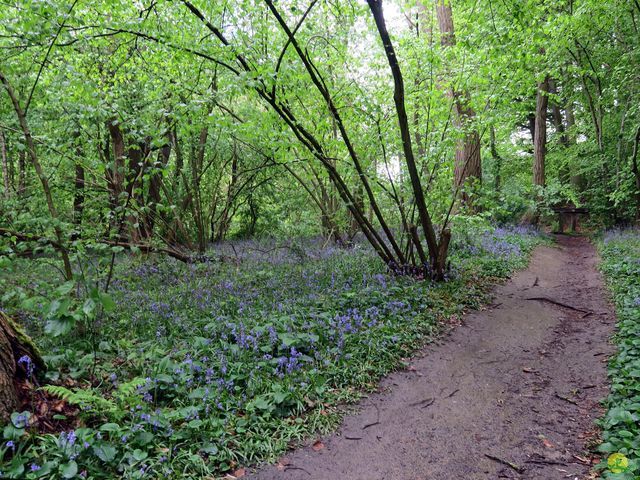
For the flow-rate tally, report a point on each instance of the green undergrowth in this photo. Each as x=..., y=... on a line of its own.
x=620, y=252
x=198, y=370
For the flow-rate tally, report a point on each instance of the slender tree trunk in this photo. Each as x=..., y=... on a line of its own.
x=531, y=121
x=31, y=148
x=437, y=252
x=577, y=178
x=5, y=165
x=497, y=159
x=22, y=174
x=115, y=174
x=468, y=164
x=224, y=222
x=558, y=125
x=155, y=187
x=540, y=139
x=197, y=161
x=78, y=194
x=636, y=172
x=556, y=113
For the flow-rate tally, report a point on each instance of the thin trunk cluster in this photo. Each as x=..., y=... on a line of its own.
x=381, y=237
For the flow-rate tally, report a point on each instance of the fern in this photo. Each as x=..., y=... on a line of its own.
x=129, y=388
x=80, y=397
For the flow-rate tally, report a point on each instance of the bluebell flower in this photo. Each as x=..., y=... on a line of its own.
x=26, y=361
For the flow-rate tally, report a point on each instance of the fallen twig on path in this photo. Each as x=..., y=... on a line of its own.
x=293, y=467
x=509, y=464
x=560, y=304
x=566, y=399
x=423, y=403
x=544, y=461
x=377, y=422
x=453, y=393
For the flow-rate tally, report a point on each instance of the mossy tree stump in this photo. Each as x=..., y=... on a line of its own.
x=14, y=345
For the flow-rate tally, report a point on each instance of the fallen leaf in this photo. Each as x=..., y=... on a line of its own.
x=547, y=443
x=239, y=473
x=317, y=446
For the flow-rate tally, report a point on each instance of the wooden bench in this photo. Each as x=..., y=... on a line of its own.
x=568, y=216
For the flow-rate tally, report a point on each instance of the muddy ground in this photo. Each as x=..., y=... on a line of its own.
x=511, y=393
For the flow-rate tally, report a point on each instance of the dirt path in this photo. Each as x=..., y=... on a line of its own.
x=519, y=382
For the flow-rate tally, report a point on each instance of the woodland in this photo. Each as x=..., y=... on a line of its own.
x=221, y=221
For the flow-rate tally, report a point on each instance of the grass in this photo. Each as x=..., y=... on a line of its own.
x=198, y=370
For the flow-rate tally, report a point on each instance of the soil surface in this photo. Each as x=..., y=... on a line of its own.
x=511, y=393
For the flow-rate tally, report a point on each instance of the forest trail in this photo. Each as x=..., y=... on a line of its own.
x=518, y=383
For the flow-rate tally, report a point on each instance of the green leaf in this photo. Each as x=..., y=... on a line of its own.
x=105, y=452
x=110, y=427
x=69, y=470
x=107, y=302
x=65, y=288
x=89, y=306
x=144, y=438
x=59, y=326
x=139, y=455
x=16, y=468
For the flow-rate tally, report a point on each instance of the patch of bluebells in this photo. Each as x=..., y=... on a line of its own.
x=500, y=247
x=502, y=243
x=207, y=339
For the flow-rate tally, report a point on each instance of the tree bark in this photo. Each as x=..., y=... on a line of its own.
x=437, y=256
x=31, y=148
x=14, y=344
x=115, y=174
x=556, y=113
x=636, y=172
x=78, y=195
x=5, y=165
x=497, y=159
x=468, y=163
x=155, y=187
x=540, y=137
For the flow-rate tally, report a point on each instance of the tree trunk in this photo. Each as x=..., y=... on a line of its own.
x=115, y=174
x=5, y=165
x=540, y=137
x=497, y=159
x=14, y=345
x=556, y=113
x=468, y=164
x=224, y=222
x=31, y=149
x=155, y=187
x=636, y=172
x=78, y=195
x=437, y=252
x=577, y=178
